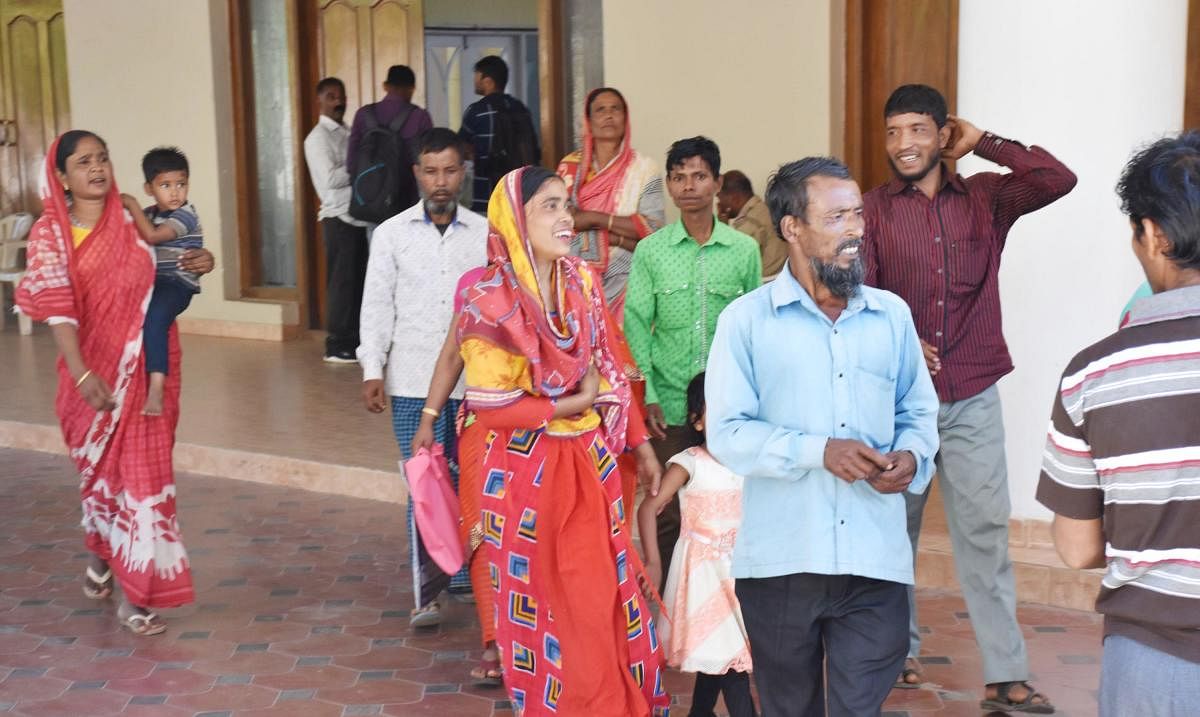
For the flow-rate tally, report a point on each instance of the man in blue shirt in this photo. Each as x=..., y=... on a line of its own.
x=818, y=394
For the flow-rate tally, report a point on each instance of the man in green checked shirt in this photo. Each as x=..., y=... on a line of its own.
x=683, y=276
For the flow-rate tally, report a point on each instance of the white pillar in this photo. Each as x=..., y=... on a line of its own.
x=1089, y=80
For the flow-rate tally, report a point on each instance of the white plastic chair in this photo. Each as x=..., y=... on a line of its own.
x=13, y=230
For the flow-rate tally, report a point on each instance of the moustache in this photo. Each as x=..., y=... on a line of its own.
x=848, y=244
x=339, y=108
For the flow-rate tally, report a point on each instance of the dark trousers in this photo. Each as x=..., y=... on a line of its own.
x=735, y=686
x=852, y=629
x=169, y=299
x=346, y=253
x=679, y=439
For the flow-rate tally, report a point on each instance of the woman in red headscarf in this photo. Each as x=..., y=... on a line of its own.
x=617, y=194
x=90, y=276
x=544, y=380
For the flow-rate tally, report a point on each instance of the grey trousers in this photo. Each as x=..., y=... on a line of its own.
x=973, y=478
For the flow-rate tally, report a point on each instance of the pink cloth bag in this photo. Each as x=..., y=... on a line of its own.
x=435, y=506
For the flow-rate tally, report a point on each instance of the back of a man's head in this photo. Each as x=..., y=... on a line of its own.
x=918, y=99
x=401, y=77
x=494, y=68
x=736, y=183
x=1162, y=183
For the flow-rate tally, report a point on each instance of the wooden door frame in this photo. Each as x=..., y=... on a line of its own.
x=246, y=170
x=552, y=81
x=1191, y=98
x=870, y=75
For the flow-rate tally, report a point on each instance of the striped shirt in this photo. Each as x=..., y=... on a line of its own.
x=186, y=223
x=942, y=256
x=1124, y=447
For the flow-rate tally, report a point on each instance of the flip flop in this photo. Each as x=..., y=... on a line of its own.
x=103, y=583
x=1003, y=703
x=488, y=673
x=143, y=624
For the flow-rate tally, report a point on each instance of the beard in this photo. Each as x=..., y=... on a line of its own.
x=917, y=175
x=842, y=282
x=435, y=207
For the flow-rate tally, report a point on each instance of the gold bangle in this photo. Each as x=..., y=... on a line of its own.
x=83, y=378
x=610, y=221
x=430, y=412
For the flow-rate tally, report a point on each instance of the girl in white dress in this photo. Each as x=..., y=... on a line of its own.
x=704, y=631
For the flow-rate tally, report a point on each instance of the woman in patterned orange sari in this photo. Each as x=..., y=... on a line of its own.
x=573, y=628
x=90, y=276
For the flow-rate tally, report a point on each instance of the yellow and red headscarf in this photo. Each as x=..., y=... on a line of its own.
x=550, y=354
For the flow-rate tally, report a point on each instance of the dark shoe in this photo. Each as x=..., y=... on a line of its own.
x=341, y=357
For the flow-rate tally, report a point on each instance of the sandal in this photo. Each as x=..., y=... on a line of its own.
x=428, y=616
x=97, y=587
x=143, y=624
x=911, y=677
x=1003, y=703
x=488, y=673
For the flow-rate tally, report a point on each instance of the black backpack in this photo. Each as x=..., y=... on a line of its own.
x=514, y=140
x=384, y=185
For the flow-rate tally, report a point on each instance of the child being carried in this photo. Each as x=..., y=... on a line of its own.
x=172, y=226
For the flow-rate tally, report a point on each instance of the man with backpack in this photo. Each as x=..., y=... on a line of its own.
x=498, y=129
x=378, y=156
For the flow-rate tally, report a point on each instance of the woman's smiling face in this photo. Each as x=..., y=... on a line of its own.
x=550, y=225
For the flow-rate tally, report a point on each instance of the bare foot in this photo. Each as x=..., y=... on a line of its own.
x=154, y=395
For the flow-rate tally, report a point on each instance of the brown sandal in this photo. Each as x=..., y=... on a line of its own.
x=1004, y=703
x=910, y=678
x=142, y=624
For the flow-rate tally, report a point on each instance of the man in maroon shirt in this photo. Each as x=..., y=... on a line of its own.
x=935, y=238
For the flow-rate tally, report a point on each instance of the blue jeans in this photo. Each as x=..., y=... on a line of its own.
x=1137, y=680
x=169, y=299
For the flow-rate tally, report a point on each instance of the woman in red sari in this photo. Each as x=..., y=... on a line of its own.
x=573, y=628
x=90, y=276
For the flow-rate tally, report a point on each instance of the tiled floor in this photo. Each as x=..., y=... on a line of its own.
x=302, y=603
x=265, y=397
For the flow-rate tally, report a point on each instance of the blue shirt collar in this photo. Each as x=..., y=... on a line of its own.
x=786, y=290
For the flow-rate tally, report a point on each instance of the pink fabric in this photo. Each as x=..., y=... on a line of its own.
x=435, y=506
x=465, y=282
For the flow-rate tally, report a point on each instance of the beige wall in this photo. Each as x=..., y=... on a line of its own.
x=756, y=78
x=144, y=73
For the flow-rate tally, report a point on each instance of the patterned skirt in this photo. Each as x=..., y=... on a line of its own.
x=573, y=628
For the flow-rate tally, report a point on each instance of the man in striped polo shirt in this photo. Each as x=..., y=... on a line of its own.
x=1122, y=461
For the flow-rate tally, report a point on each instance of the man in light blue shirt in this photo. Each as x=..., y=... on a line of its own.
x=818, y=394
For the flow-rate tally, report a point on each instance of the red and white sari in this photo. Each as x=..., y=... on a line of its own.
x=103, y=286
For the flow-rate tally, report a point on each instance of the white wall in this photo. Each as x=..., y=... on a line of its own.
x=143, y=73
x=755, y=78
x=1089, y=80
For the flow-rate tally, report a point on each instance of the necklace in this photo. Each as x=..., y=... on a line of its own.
x=75, y=220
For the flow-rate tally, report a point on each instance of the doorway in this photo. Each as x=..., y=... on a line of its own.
x=34, y=106
x=450, y=57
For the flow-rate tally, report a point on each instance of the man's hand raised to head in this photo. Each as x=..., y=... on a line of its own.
x=853, y=460
x=964, y=136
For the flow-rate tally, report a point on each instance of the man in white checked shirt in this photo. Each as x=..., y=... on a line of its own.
x=416, y=260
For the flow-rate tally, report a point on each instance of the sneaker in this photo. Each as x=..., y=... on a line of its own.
x=341, y=357
x=428, y=616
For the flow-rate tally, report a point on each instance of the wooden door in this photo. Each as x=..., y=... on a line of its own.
x=1191, y=98
x=357, y=41
x=34, y=105
x=889, y=44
